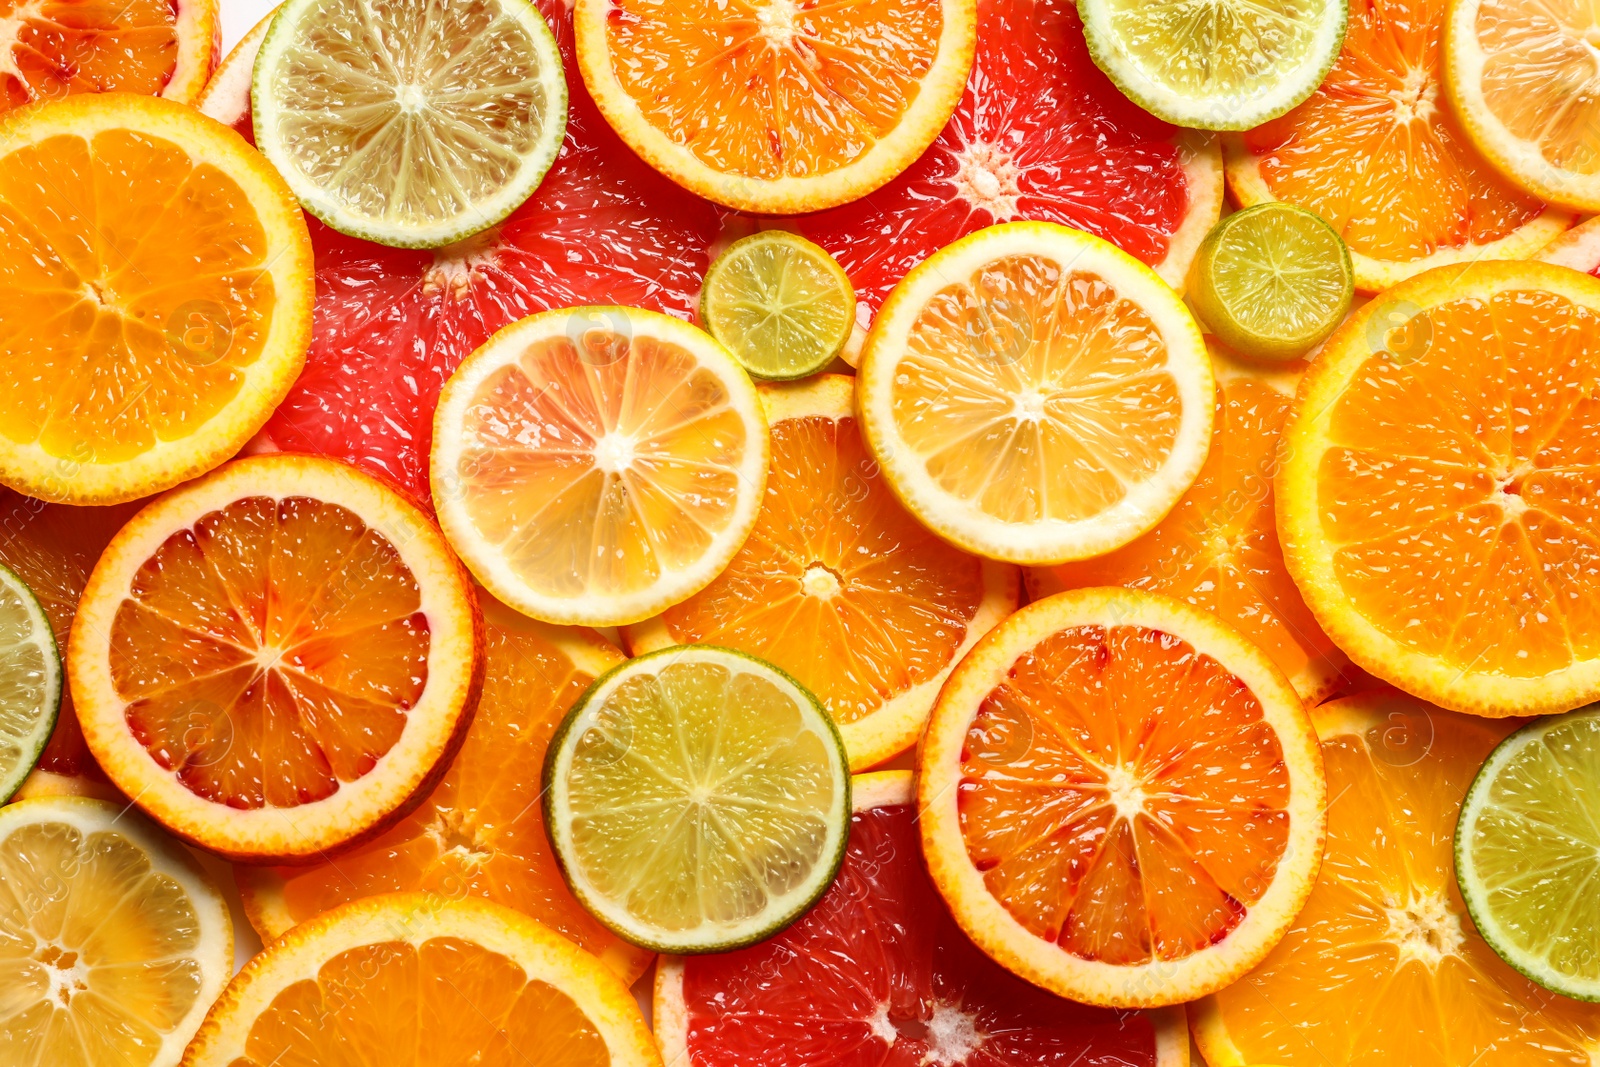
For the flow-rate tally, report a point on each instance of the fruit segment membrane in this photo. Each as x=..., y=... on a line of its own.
x=1541, y=76
x=69, y=46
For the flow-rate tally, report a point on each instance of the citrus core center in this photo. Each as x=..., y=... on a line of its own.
x=1425, y=929
x=1415, y=101
x=1125, y=791
x=776, y=21
x=66, y=974
x=987, y=179
x=613, y=453
x=820, y=581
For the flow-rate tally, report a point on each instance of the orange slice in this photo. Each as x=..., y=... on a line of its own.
x=774, y=106
x=278, y=659
x=838, y=586
x=480, y=833
x=1122, y=799
x=1440, y=498
x=1377, y=152
x=155, y=296
x=1218, y=548
x=1578, y=248
x=413, y=980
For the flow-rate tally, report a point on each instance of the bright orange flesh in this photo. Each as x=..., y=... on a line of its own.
x=1088, y=722
x=59, y=47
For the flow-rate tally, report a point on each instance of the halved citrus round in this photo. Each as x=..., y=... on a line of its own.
x=412, y=979
x=838, y=585
x=226, y=96
x=31, y=682
x=1122, y=799
x=1034, y=394
x=1578, y=248
x=278, y=659
x=1440, y=493
x=877, y=973
x=481, y=831
x=782, y=305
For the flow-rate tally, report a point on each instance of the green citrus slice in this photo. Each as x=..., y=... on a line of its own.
x=30, y=682
x=410, y=122
x=697, y=799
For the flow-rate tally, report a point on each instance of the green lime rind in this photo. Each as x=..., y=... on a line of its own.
x=651, y=808
x=30, y=682
x=1527, y=850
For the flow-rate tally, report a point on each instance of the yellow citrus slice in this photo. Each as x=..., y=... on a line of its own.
x=593, y=466
x=838, y=586
x=415, y=980
x=774, y=106
x=1440, y=496
x=155, y=295
x=278, y=659
x=1121, y=799
x=1578, y=248
x=1034, y=394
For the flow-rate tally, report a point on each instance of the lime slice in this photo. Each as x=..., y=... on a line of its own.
x=1215, y=64
x=410, y=122
x=697, y=799
x=30, y=682
x=1528, y=852
x=1272, y=281
x=780, y=304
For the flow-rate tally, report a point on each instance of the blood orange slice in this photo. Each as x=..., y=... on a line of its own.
x=1578, y=248
x=878, y=974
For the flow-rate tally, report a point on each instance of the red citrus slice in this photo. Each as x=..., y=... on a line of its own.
x=1578, y=248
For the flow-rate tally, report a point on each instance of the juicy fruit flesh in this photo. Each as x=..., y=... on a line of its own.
x=1541, y=76
x=1035, y=392
x=123, y=337
x=778, y=307
x=98, y=959
x=1280, y=275
x=1123, y=795
x=837, y=584
x=24, y=678
x=1458, y=490
x=878, y=973
x=407, y=1005
x=270, y=652
x=54, y=48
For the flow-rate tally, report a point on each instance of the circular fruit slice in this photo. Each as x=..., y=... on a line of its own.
x=1578, y=248
x=596, y=465
x=1440, y=492
x=772, y=107
x=157, y=296
x=877, y=973
x=226, y=96
x=1122, y=799
x=1383, y=965
x=1035, y=395
x=278, y=659
x=412, y=978
x=1218, y=548
x=697, y=800
x=838, y=585
x=1521, y=74
x=399, y=124
x=1215, y=65
x=30, y=681
x=481, y=831
x=1377, y=153
x=116, y=941
x=782, y=305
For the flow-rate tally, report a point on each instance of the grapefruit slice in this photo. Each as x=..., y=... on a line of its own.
x=877, y=973
x=1578, y=248
x=226, y=96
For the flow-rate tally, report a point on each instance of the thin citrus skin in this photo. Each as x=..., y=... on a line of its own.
x=1578, y=248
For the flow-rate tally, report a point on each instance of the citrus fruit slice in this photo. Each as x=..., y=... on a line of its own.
x=481, y=832
x=399, y=124
x=1383, y=965
x=1218, y=548
x=278, y=659
x=156, y=296
x=116, y=941
x=1377, y=153
x=1033, y=394
x=596, y=465
x=1215, y=65
x=42, y=783
x=697, y=800
x=226, y=96
x=30, y=681
x=838, y=586
x=1273, y=281
x=773, y=107
x=782, y=305
x=1521, y=76
x=877, y=973
x=1437, y=500
x=411, y=979
x=1121, y=798
x=1578, y=248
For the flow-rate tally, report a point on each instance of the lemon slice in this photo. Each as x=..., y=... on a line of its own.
x=30, y=681
x=782, y=305
x=410, y=123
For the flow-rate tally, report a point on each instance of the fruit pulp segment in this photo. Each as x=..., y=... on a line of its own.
x=58, y=47
x=1540, y=76
x=1217, y=50
x=270, y=652
x=1123, y=795
x=837, y=584
x=1035, y=392
x=25, y=668
x=1467, y=461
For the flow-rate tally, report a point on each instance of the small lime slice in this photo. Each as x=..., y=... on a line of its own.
x=780, y=304
x=1272, y=281
x=410, y=122
x=30, y=682
x=697, y=800
x=1528, y=852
